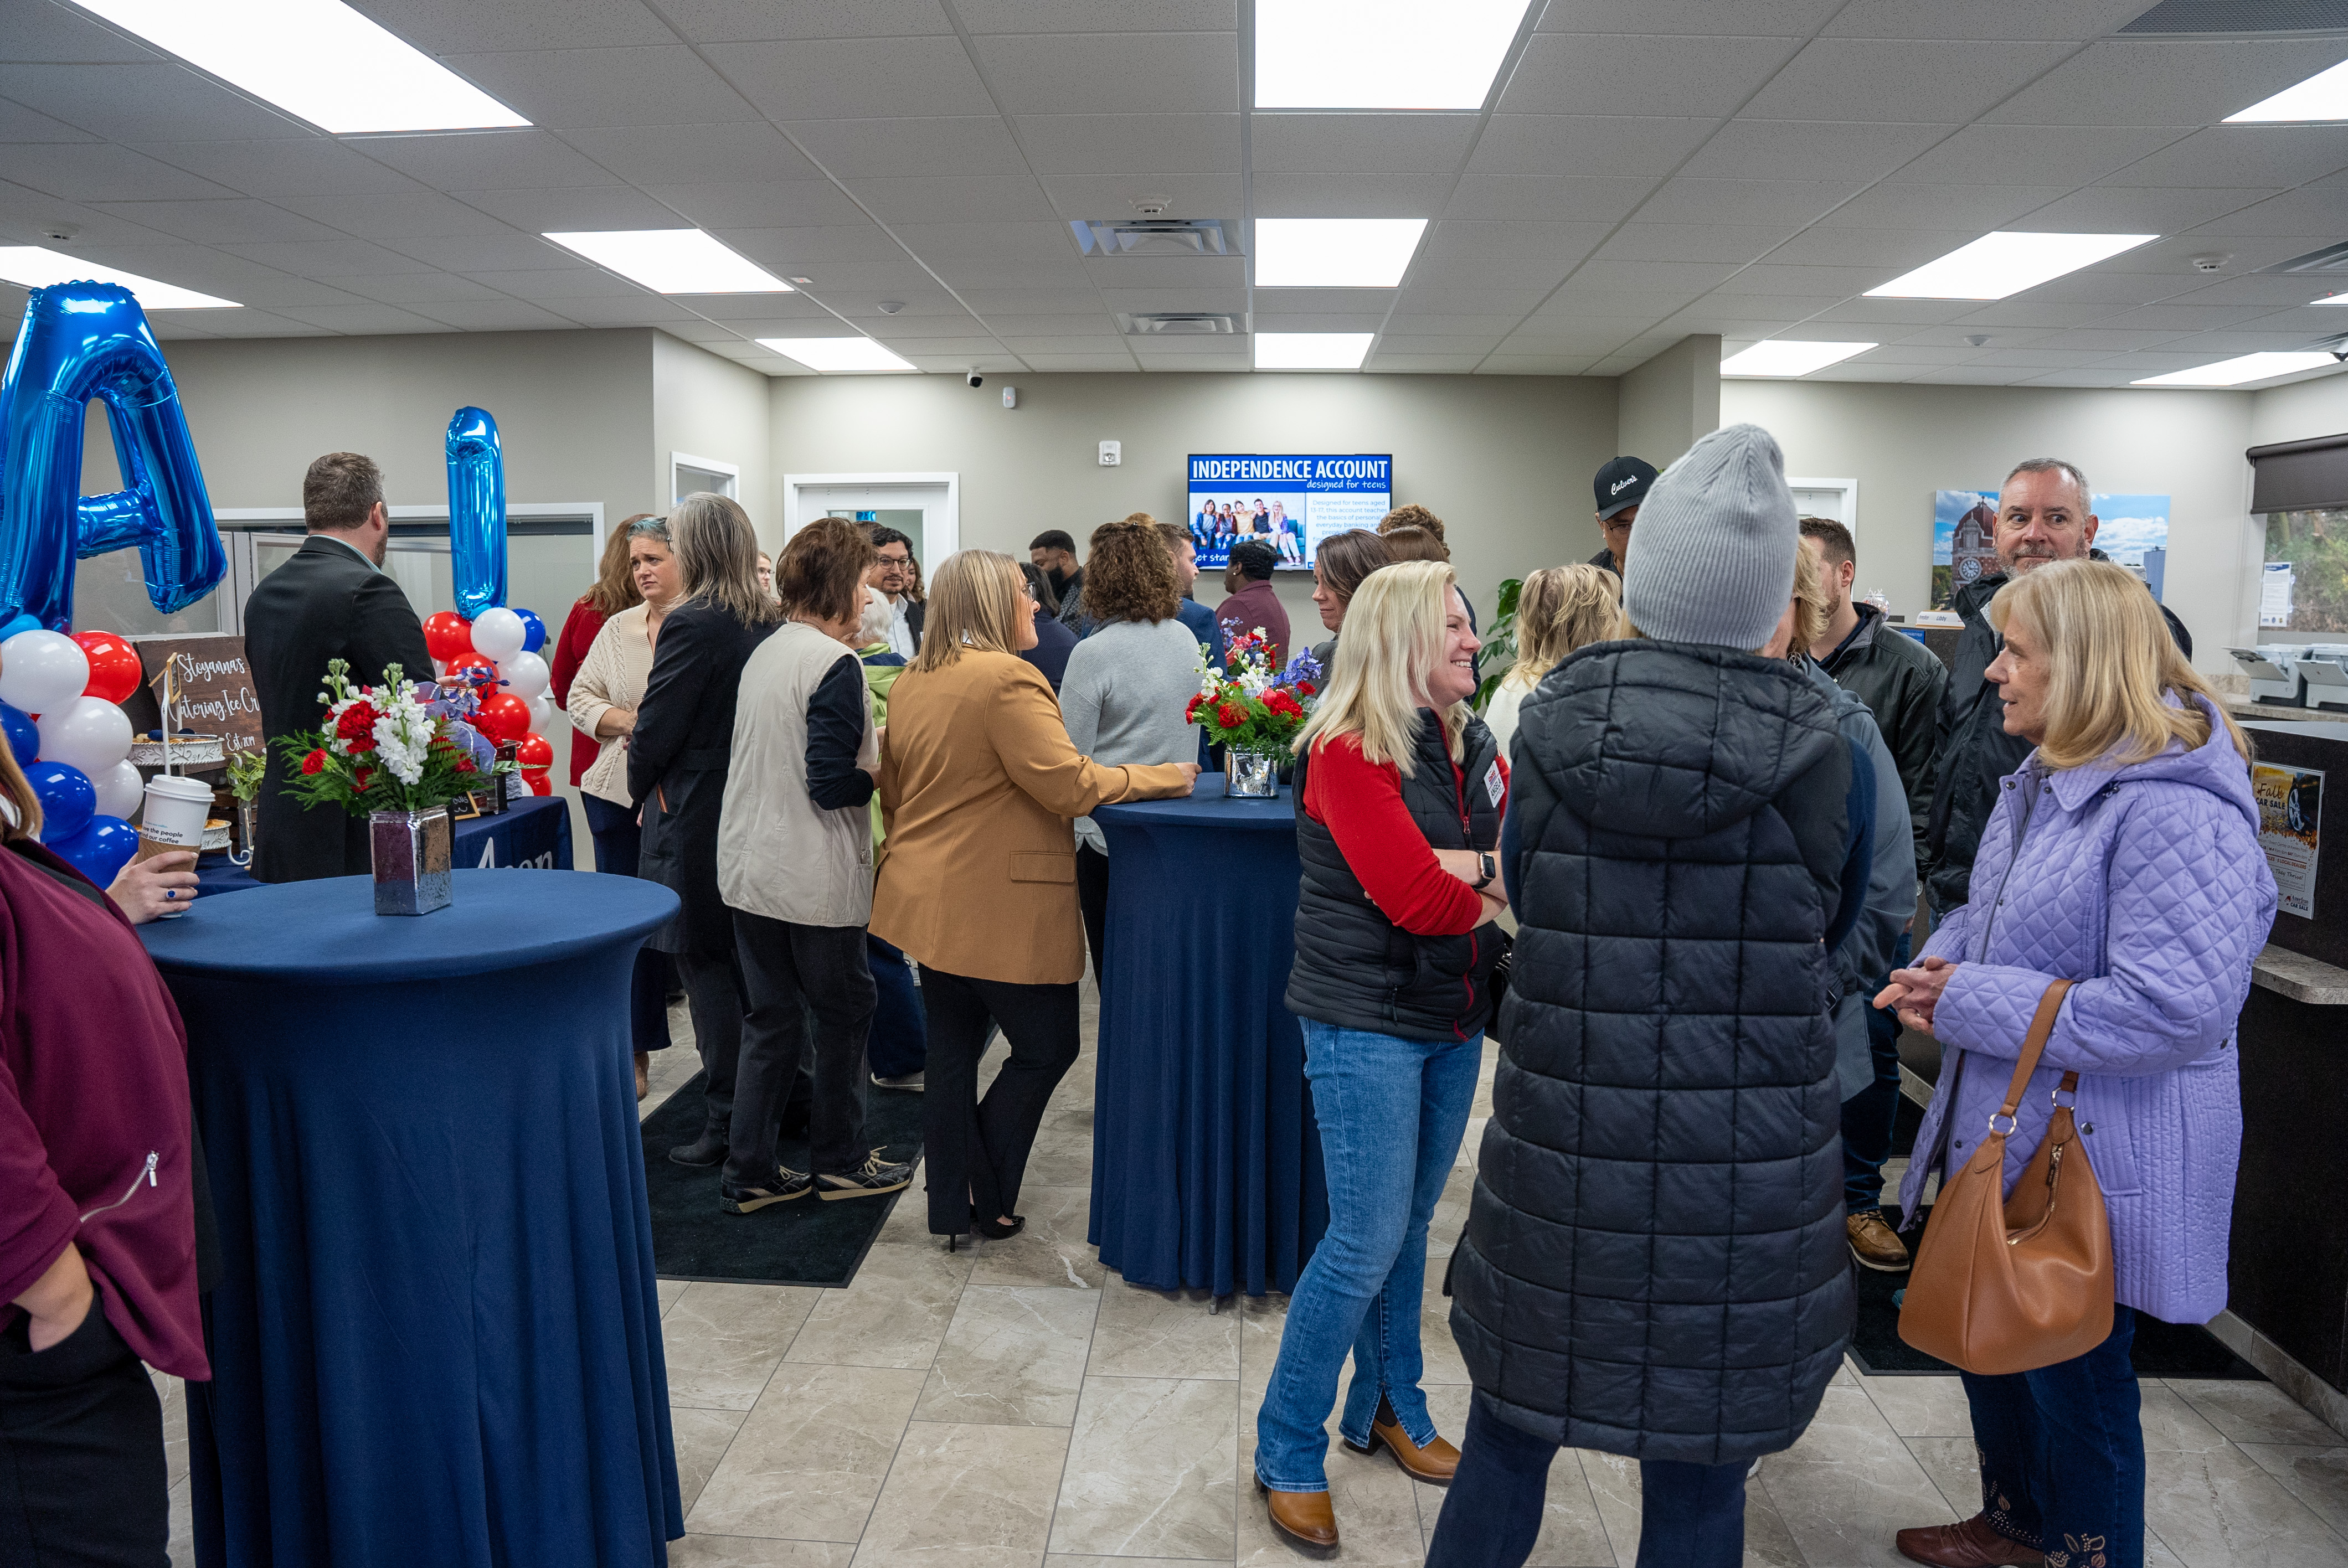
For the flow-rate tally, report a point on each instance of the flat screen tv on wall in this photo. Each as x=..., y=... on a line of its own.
x=1291, y=500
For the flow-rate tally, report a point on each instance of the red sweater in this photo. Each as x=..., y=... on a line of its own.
x=570, y=653
x=1360, y=803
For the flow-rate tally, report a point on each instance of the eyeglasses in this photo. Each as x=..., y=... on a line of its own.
x=896, y=563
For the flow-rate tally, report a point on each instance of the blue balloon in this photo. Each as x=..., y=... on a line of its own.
x=23, y=735
x=477, y=511
x=100, y=850
x=80, y=340
x=533, y=631
x=22, y=623
x=68, y=800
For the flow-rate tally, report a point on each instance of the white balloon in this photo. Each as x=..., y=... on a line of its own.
x=525, y=674
x=40, y=671
x=545, y=718
x=119, y=790
x=500, y=633
x=88, y=732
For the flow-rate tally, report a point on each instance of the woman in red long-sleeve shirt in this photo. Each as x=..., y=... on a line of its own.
x=614, y=590
x=1400, y=794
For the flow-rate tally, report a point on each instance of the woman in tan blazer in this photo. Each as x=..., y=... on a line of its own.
x=981, y=788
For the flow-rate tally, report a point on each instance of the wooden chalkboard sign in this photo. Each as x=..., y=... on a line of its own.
x=214, y=683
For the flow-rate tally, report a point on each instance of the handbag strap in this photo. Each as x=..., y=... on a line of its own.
x=2042, y=1024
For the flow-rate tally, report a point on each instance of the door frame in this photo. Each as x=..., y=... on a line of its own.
x=1849, y=488
x=941, y=535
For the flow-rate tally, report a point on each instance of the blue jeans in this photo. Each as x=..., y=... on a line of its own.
x=1872, y=1116
x=901, y=1034
x=1391, y=1113
x=2062, y=1453
x=1690, y=1515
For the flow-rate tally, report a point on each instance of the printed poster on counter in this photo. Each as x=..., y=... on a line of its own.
x=1291, y=500
x=2290, y=804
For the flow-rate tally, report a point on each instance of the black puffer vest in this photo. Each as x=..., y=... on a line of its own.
x=1654, y=1263
x=1358, y=970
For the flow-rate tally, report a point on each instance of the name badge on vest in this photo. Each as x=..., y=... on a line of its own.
x=1492, y=784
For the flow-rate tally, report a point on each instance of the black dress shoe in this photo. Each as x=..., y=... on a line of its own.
x=709, y=1149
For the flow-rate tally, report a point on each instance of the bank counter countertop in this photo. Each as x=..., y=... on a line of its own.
x=1206, y=1164
x=436, y=1337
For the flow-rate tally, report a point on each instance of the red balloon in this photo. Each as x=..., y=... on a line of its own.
x=447, y=634
x=538, y=781
x=504, y=717
x=534, y=752
x=114, y=671
x=469, y=663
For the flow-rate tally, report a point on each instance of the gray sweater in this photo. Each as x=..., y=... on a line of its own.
x=1123, y=697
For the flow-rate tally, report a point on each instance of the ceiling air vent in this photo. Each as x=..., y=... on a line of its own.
x=2191, y=17
x=2333, y=259
x=1156, y=237
x=1179, y=323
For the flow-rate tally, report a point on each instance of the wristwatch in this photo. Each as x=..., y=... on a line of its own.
x=1491, y=871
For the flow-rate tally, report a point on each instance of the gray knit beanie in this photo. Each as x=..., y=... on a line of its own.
x=1711, y=558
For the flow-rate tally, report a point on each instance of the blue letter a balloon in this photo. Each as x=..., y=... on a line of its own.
x=477, y=511
x=81, y=341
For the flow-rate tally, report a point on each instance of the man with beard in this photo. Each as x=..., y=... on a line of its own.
x=1054, y=551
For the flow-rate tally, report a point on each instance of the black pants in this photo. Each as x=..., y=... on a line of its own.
x=618, y=840
x=976, y=1151
x=804, y=982
x=715, y=994
x=1092, y=899
x=82, y=1478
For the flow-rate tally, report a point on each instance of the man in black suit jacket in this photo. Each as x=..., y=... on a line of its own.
x=329, y=602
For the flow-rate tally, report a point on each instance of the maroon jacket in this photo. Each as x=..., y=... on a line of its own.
x=93, y=1086
x=1256, y=605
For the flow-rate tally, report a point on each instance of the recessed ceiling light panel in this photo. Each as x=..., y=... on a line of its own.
x=31, y=267
x=315, y=58
x=1785, y=356
x=1380, y=54
x=1312, y=351
x=837, y=356
x=2005, y=262
x=2247, y=368
x=1334, y=252
x=673, y=262
x=2322, y=97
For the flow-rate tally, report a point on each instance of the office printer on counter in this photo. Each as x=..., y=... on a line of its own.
x=2296, y=675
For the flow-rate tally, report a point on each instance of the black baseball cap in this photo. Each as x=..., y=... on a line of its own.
x=1623, y=483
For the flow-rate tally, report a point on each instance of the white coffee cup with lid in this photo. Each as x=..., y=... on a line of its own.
x=176, y=811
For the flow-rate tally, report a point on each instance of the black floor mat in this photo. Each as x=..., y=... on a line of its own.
x=2161, y=1349
x=804, y=1242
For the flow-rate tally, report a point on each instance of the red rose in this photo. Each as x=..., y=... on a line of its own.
x=1282, y=703
x=314, y=763
x=1306, y=687
x=355, y=728
x=364, y=776
x=464, y=765
x=1229, y=716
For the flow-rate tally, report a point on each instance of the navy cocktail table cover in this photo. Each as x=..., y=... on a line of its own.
x=436, y=1338
x=533, y=835
x=1206, y=1162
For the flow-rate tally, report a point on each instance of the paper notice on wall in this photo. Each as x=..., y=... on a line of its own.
x=2290, y=804
x=2274, y=594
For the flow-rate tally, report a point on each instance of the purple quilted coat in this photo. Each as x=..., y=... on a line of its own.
x=2147, y=886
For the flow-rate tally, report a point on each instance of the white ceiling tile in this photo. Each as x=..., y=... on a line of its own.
x=214, y=272
x=1769, y=277
x=2096, y=375
x=1111, y=73
x=930, y=147
x=2311, y=210
x=408, y=214
x=1094, y=322
x=560, y=88
x=1583, y=144
x=254, y=325
x=778, y=204
x=18, y=123
x=695, y=329
x=1223, y=273
x=968, y=274
x=1503, y=364
x=855, y=78
x=1558, y=199
x=1415, y=363
x=2004, y=154
x=486, y=159
x=1643, y=242
x=679, y=154
x=1268, y=318
x=1911, y=355
x=1044, y=302
x=573, y=282
x=483, y=252
x=734, y=21
x=1999, y=315
x=1080, y=362
x=495, y=315
x=1974, y=209
x=327, y=258
x=568, y=208
x=1473, y=239
x=1654, y=277
x=2094, y=340
x=1130, y=143
x=1079, y=196
x=2095, y=287
x=1462, y=272
x=444, y=27
x=1943, y=82
x=2238, y=155
x=1855, y=370
x=1768, y=307
x=1773, y=18
x=1805, y=149
x=2137, y=209
x=145, y=102
x=2170, y=81
x=1365, y=143
x=828, y=251
x=638, y=310
x=1315, y=301
x=2074, y=19
x=1479, y=343
x=2183, y=318
x=416, y=288
x=1968, y=375
x=2027, y=359
x=935, y=242
x=363, y=318
x=1613, y=74
x=94, y=172
x=1893, y=251
x=1103, y=344
x=1351, y=195
x=965, y=199
x=756, y=314
x=1757, y=201
x=2273, y=291
x=1099, y=16
x=309, y=166
x=2252, y=338
x=1510, y=304
x=220, y=222
x=63, y=34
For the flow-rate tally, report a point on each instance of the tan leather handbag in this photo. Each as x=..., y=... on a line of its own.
x=2014, y=1285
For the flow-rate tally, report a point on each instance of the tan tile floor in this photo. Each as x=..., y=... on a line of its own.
x=1015, y=1406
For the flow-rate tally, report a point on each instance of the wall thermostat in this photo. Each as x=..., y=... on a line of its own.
x=1112, y=454
x=1010, y=398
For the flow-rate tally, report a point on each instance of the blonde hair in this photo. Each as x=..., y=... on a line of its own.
x=20, y=808
x=717, y=556
x=1395, y=626
x=2112, y=667
x=1559, y=610
x=1813, y=605
x=977, y=601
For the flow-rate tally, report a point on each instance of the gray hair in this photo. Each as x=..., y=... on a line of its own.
x=2056, y=465
x=717, y=556
x=878, y=613
x=649, y=529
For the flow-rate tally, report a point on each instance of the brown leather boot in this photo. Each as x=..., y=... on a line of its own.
x=1875, y=1244
x=1434, y=1464
x=1972, y=1544
x=1304, y=1517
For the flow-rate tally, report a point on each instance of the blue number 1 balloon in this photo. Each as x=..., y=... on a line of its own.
x=81, y=341
x=477, y=511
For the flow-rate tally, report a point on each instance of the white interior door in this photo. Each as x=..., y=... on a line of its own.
x=925, y=508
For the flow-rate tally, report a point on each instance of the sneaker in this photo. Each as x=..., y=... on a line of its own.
x=875, y=1176
x=1874, y=1243
x=913, y=1081
x=786, y=1185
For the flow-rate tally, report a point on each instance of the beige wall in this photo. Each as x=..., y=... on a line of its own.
x=2299, y=412
x=1504, y=460
x=1902, y=443
x=1663, y=406
x=709, y=407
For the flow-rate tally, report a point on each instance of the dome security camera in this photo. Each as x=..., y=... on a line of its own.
x=974, y=378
